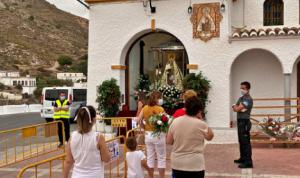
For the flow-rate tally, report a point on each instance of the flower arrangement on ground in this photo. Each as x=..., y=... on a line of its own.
x=171, y=96
x=276, y=129
x=161, y=123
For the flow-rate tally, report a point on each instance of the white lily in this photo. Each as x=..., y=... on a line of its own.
x=159, y=122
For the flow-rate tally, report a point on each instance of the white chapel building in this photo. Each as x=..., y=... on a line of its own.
x=230, y=41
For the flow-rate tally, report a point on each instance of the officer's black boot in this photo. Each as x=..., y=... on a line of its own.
x=238, y=161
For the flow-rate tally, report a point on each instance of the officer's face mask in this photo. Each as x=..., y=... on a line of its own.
x=62, y=98
x=243, y=92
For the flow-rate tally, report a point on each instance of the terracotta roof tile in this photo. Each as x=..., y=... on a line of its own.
x=285, y=31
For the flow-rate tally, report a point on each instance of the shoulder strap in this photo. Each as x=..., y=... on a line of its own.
x=65, y=102
x=58, y=102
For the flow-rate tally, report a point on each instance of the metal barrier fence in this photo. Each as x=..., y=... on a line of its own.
x=55, y=167
x=117, y=149
x=139, y=134
x=24, y=143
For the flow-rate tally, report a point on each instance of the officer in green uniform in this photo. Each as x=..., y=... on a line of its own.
x=62, y=113
x=243, y=108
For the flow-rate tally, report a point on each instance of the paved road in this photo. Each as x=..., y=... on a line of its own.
x=19, y=120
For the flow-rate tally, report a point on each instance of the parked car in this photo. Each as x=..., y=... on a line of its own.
x=76, y=97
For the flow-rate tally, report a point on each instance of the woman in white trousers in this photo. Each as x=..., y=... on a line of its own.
x=155, y=145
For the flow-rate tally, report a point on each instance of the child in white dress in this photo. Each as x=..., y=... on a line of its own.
x=136, y=160
x=86, y=150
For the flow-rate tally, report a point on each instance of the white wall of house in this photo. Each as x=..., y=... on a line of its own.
x=253, y=13
x=28, y=90
x=9, y=74
x=115, y=26
x=24, y=81
x=71, y=76
x=28, y=83
x=80, y=85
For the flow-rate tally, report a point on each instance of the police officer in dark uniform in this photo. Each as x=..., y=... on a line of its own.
x=243, y=108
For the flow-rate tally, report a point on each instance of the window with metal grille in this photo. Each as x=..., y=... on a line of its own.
x=273, y=12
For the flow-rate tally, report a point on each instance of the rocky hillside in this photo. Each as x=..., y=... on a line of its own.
x=34, y=34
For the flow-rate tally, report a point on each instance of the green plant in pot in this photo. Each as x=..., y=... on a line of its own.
x=108, y=99
x=199, y=84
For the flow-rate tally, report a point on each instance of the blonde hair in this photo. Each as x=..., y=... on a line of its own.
x=189, y=94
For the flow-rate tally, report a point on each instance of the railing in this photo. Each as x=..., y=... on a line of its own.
x=137, y=132
x=265, y=110
x=287, y=110
x=28, y=142
x=56, y=164
x=49, y=161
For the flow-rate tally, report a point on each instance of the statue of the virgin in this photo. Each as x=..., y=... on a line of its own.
x=172, y=75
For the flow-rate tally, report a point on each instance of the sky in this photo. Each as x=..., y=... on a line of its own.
x=71, y=6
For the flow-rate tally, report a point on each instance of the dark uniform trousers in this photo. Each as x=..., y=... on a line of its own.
x=67, y=130
x=244, y=127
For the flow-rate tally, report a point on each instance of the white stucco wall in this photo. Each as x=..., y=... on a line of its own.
x=253, y=14
x=114, y=27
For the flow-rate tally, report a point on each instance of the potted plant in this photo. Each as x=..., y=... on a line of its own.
x=143, y=86
x=108, y=99
x=199, y=84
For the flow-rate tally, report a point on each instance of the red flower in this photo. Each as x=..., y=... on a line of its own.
x=164, y=118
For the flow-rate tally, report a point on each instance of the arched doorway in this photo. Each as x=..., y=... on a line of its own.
x=148, y=55
x=263, y=70
x=295, y=81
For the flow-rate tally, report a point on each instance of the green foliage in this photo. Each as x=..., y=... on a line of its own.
x=49, y=81
x=65, y=60
x=58, y=26
x=198, y=83
x=2, y=86
x=108, y=98
x=143, y=84
x=81, y=67
x=31, y=18
x=160, y=123
x=19, y=87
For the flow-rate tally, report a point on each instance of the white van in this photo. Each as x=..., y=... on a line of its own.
x=76, y=96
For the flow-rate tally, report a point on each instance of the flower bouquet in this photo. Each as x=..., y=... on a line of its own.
x=161, y=123
x=171, y=96
x=276, y=129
